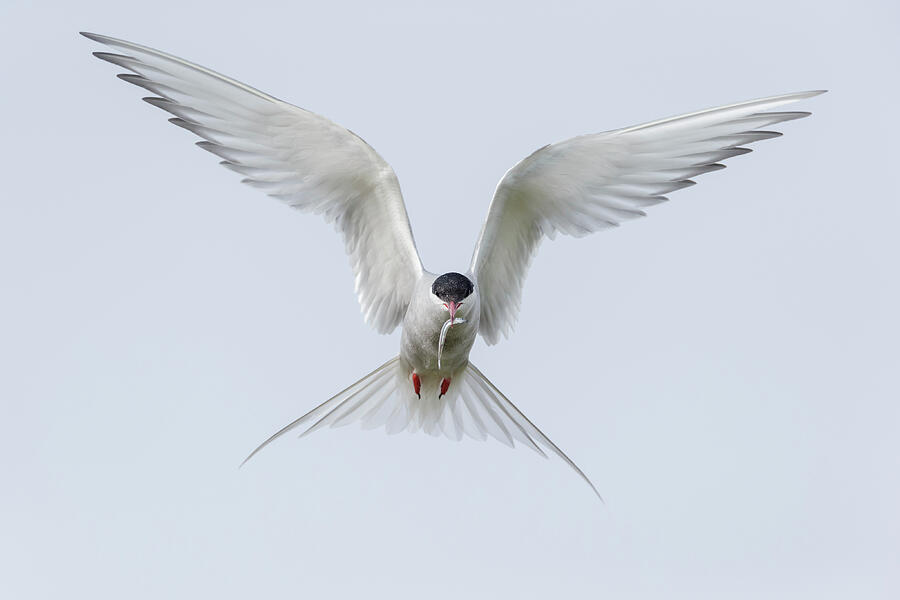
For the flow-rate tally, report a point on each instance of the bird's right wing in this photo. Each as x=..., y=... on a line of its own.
x=296, y=156
x=593, y=182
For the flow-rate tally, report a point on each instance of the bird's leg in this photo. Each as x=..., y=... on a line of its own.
x=417, y=384
x=445, y=385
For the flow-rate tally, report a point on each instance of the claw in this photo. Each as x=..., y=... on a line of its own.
x=445, y=385
x=417, y=384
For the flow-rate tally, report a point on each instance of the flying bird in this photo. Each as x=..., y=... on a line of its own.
x=574, y=187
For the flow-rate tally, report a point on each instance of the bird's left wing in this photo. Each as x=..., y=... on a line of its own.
x=593, y=182
x=296, y=156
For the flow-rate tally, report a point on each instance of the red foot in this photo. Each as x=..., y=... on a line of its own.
x=417, y=384
x=445, y=385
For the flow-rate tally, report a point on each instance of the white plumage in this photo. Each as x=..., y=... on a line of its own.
x=574, y=187
x=297, y=156
x=592, y=182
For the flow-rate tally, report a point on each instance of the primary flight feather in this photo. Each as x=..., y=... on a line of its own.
x=574, y=187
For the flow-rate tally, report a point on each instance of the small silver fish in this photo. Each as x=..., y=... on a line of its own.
x=444, y=329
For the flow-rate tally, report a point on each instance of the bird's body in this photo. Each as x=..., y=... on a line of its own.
x=422, y=329
x=575, y=187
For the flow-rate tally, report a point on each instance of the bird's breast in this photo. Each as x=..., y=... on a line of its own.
x=421, y=337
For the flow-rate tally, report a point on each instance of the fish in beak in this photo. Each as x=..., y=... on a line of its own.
x=452, y=307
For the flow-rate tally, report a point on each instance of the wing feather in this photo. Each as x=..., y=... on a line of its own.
x=294, y=155
x=593, y=182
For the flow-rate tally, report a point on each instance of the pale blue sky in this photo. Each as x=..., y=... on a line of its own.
x=724, y=370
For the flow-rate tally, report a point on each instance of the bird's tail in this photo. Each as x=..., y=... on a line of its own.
x=472, y=406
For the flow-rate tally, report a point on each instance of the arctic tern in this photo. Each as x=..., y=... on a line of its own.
x=574, y=187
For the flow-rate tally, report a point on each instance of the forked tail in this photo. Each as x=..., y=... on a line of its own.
x=385, y=398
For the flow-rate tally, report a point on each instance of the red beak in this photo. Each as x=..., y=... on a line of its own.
x=452, y=306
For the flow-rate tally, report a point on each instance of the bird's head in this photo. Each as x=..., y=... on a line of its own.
x=451, y=291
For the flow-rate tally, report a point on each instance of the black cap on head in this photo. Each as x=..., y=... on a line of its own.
x=452, y=287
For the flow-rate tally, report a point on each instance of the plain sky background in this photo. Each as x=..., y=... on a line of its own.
x=725, y=370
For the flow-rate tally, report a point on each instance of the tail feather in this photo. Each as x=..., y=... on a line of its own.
x=343, y=411
x=473, y=407
x=322, y=411
x=488, y=394
x=478, y=431
x=528, y=429
x=483, y=414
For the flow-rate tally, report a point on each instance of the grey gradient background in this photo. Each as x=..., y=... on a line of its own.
x=725, y=370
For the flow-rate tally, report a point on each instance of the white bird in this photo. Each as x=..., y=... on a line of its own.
x=575, y=187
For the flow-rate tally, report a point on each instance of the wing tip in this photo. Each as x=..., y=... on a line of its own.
x=181, y=123
x=131, y=77
x=157, y=101
x=107, y=56
x=794, y=96
x=102, y=39
x=795, y=114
